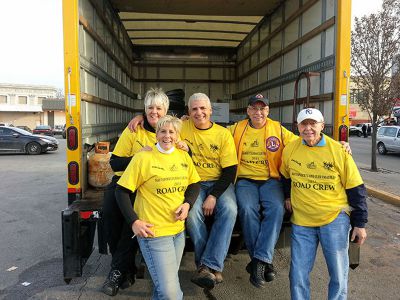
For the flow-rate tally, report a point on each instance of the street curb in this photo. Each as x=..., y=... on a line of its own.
x=384, y=196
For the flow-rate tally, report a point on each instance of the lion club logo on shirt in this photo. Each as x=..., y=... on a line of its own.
x=273, y=143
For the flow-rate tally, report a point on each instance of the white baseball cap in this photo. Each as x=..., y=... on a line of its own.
x=310, y=113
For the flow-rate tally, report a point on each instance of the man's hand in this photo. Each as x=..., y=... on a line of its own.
x=346, y=147
x=182, y=145
x=185, y=117
x=361, y=235
x=182, y=212
x=288, y=205
x=209, y=205
x=142, y=229
x=138, y=120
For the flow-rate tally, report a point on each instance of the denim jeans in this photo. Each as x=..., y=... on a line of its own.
x=334, y=239
x=211, y=248
x=261, y=210
x=163, y=257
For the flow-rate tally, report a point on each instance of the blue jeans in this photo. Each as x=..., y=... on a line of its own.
x=261, y=210
x=211, y=248
x=163, y=257
x=334, y=239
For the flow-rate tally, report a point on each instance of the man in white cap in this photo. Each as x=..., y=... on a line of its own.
x=325, y=192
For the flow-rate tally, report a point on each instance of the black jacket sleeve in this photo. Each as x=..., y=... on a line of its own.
x=119, y=163
x=287, y=184
x=227, y=177
x=125, y=204
x=191, y=193
x=359, y=211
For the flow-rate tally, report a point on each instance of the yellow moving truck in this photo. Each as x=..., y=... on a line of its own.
x=292, y=51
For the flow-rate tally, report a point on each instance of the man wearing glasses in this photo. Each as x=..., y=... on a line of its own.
x=259, y=143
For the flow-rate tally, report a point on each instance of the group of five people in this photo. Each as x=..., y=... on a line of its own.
x=197, y=169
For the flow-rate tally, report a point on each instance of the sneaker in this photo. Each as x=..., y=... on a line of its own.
x=218, y=276
x=257, y=269
x=129, y=280
x=111, y=285
x=269, y=273
x=204, y=278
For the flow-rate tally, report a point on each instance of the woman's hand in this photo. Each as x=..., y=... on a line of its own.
x=138, y=120
x=146, y=148
x=182, y=212
x=142, y=229
x=182, y=145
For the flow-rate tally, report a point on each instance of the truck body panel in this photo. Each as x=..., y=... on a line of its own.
x=115, y=50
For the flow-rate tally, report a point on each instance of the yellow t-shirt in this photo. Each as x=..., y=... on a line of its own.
x=212, y=149
x=253, y=162
x=161, y=181
x=320, y=176
x=130, y=143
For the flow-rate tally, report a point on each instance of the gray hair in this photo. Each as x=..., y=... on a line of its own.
x=168, y=119
x=199, y=96
x=156, y=96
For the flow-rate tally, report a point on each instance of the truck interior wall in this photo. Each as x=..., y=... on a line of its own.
x=108, y=97
x=291, y=40
x=298, y=36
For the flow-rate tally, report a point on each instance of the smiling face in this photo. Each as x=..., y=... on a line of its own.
x=258, y=114
x=200, y=112
x=167, y=136
x=154, y=113
x=310, y=131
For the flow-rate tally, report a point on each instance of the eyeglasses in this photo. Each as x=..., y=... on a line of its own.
x=312, y=123
x=256, y=108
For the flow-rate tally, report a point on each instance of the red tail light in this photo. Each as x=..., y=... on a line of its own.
x=343, y=133
x=72, y=138
x=73, y=173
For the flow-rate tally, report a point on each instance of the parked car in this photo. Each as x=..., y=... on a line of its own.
x=360, y=125
x=354, y=130
x=64, y=131
x=17, y=140
x=58, y=129
x=43, y=129
x=388, y=139
x=24, y=128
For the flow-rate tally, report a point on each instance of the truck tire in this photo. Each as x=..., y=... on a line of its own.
x=359, y=134
x=33, y=148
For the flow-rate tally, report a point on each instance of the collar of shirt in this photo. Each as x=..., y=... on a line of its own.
x=321, y=143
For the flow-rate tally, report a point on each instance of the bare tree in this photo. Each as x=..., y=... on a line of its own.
x=375, y=63
x=60, y=94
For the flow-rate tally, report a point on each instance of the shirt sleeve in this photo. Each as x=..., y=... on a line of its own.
x=228, y=151
x=133, y=177
x=124, y=145
x=288, y=136
x=284, y=168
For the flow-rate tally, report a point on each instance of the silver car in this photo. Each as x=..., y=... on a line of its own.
x=388, y=139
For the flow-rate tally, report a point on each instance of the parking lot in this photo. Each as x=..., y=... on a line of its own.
x=33, y=193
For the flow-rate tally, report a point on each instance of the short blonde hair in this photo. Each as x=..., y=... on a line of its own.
x=168, y=119
x=156, y=96
x=199, y=96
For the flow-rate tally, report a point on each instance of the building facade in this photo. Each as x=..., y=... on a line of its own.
x=30, y=105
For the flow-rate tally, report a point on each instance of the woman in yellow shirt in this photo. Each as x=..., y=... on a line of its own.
x=167, y=186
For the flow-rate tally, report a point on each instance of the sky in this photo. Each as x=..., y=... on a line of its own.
x=31, y=50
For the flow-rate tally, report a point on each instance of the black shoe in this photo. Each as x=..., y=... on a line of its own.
x=204, y=278
x=257, y=269
x=129, y=280
x=111, y=285
x=269, y=273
